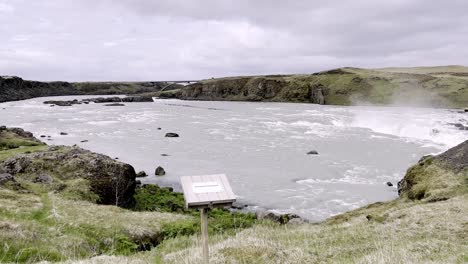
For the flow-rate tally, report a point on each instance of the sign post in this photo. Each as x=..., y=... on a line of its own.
x=205, y=192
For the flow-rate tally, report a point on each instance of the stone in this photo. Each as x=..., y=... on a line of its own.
x=138, y=182
x=165, y=155
x=15, y=165
x=44, y=179
x=20, y=132
x=389, y=184
x=114, y=104
x=84, y=141
x=6, y=177
x=141, y=174
x=312, y=152
x=159, y=128
x=160, y=171
x=238, y=206
x=172, y=135
x=43, y=136
x=63, y=133
x=279, y=218
x=3, y=128
x=112, y=181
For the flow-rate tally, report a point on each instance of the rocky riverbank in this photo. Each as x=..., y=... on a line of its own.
x=15, y=88
x=436, y=87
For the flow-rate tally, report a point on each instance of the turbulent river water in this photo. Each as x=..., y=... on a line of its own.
x=260, y=146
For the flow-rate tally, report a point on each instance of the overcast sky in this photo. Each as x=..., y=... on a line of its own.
x=95, y=40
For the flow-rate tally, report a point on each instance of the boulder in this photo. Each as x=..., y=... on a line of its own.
x=172, y=135
x=312, y=152
x=114, y=104
x=160, y=171
x=141, y=174
x=15, y=165
x=238, y=206
x=389, y=184
x=63, y=133
x=44, y=179
x=112, y=181
x=20, y=132
x=84, y=141
x=6, y=177
x=279, y=218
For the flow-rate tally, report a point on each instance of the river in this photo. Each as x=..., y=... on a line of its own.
x=261, y=147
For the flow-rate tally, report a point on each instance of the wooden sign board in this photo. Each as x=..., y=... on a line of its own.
x=207, y=191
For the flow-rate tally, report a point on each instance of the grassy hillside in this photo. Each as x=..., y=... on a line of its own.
x=433, y=86
x=427, y=224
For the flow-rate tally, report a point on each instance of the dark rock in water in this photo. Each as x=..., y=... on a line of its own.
x=44, y=178
x=114, y=104
x=63, y=133
x=116, y=158
x=141, y=174
x=312, y=152
x=84, y=141
x=279, y=218
x=466, y=110
x=61, y=103
x=3, y=128
x=460, y=126
x=238, y=206
x=43, y=136
x=137, y=182
x=6, y=177
x=159, y=128
x=172, y=135
x=160, y=171
x=86, y=102
x=389, y=184
x=165, y=155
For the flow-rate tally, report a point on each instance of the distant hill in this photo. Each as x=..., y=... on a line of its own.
x=15, y=88
x=444, y=86
x=441, y=86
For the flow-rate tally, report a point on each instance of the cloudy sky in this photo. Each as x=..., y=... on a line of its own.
x=181, y=39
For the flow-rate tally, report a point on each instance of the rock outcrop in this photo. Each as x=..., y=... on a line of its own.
x=15, y=88
x=62, y=167
x=344, y=86
x=113, y=181
x=438, y=177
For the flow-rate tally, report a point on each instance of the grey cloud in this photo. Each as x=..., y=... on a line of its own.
x=179, y=39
